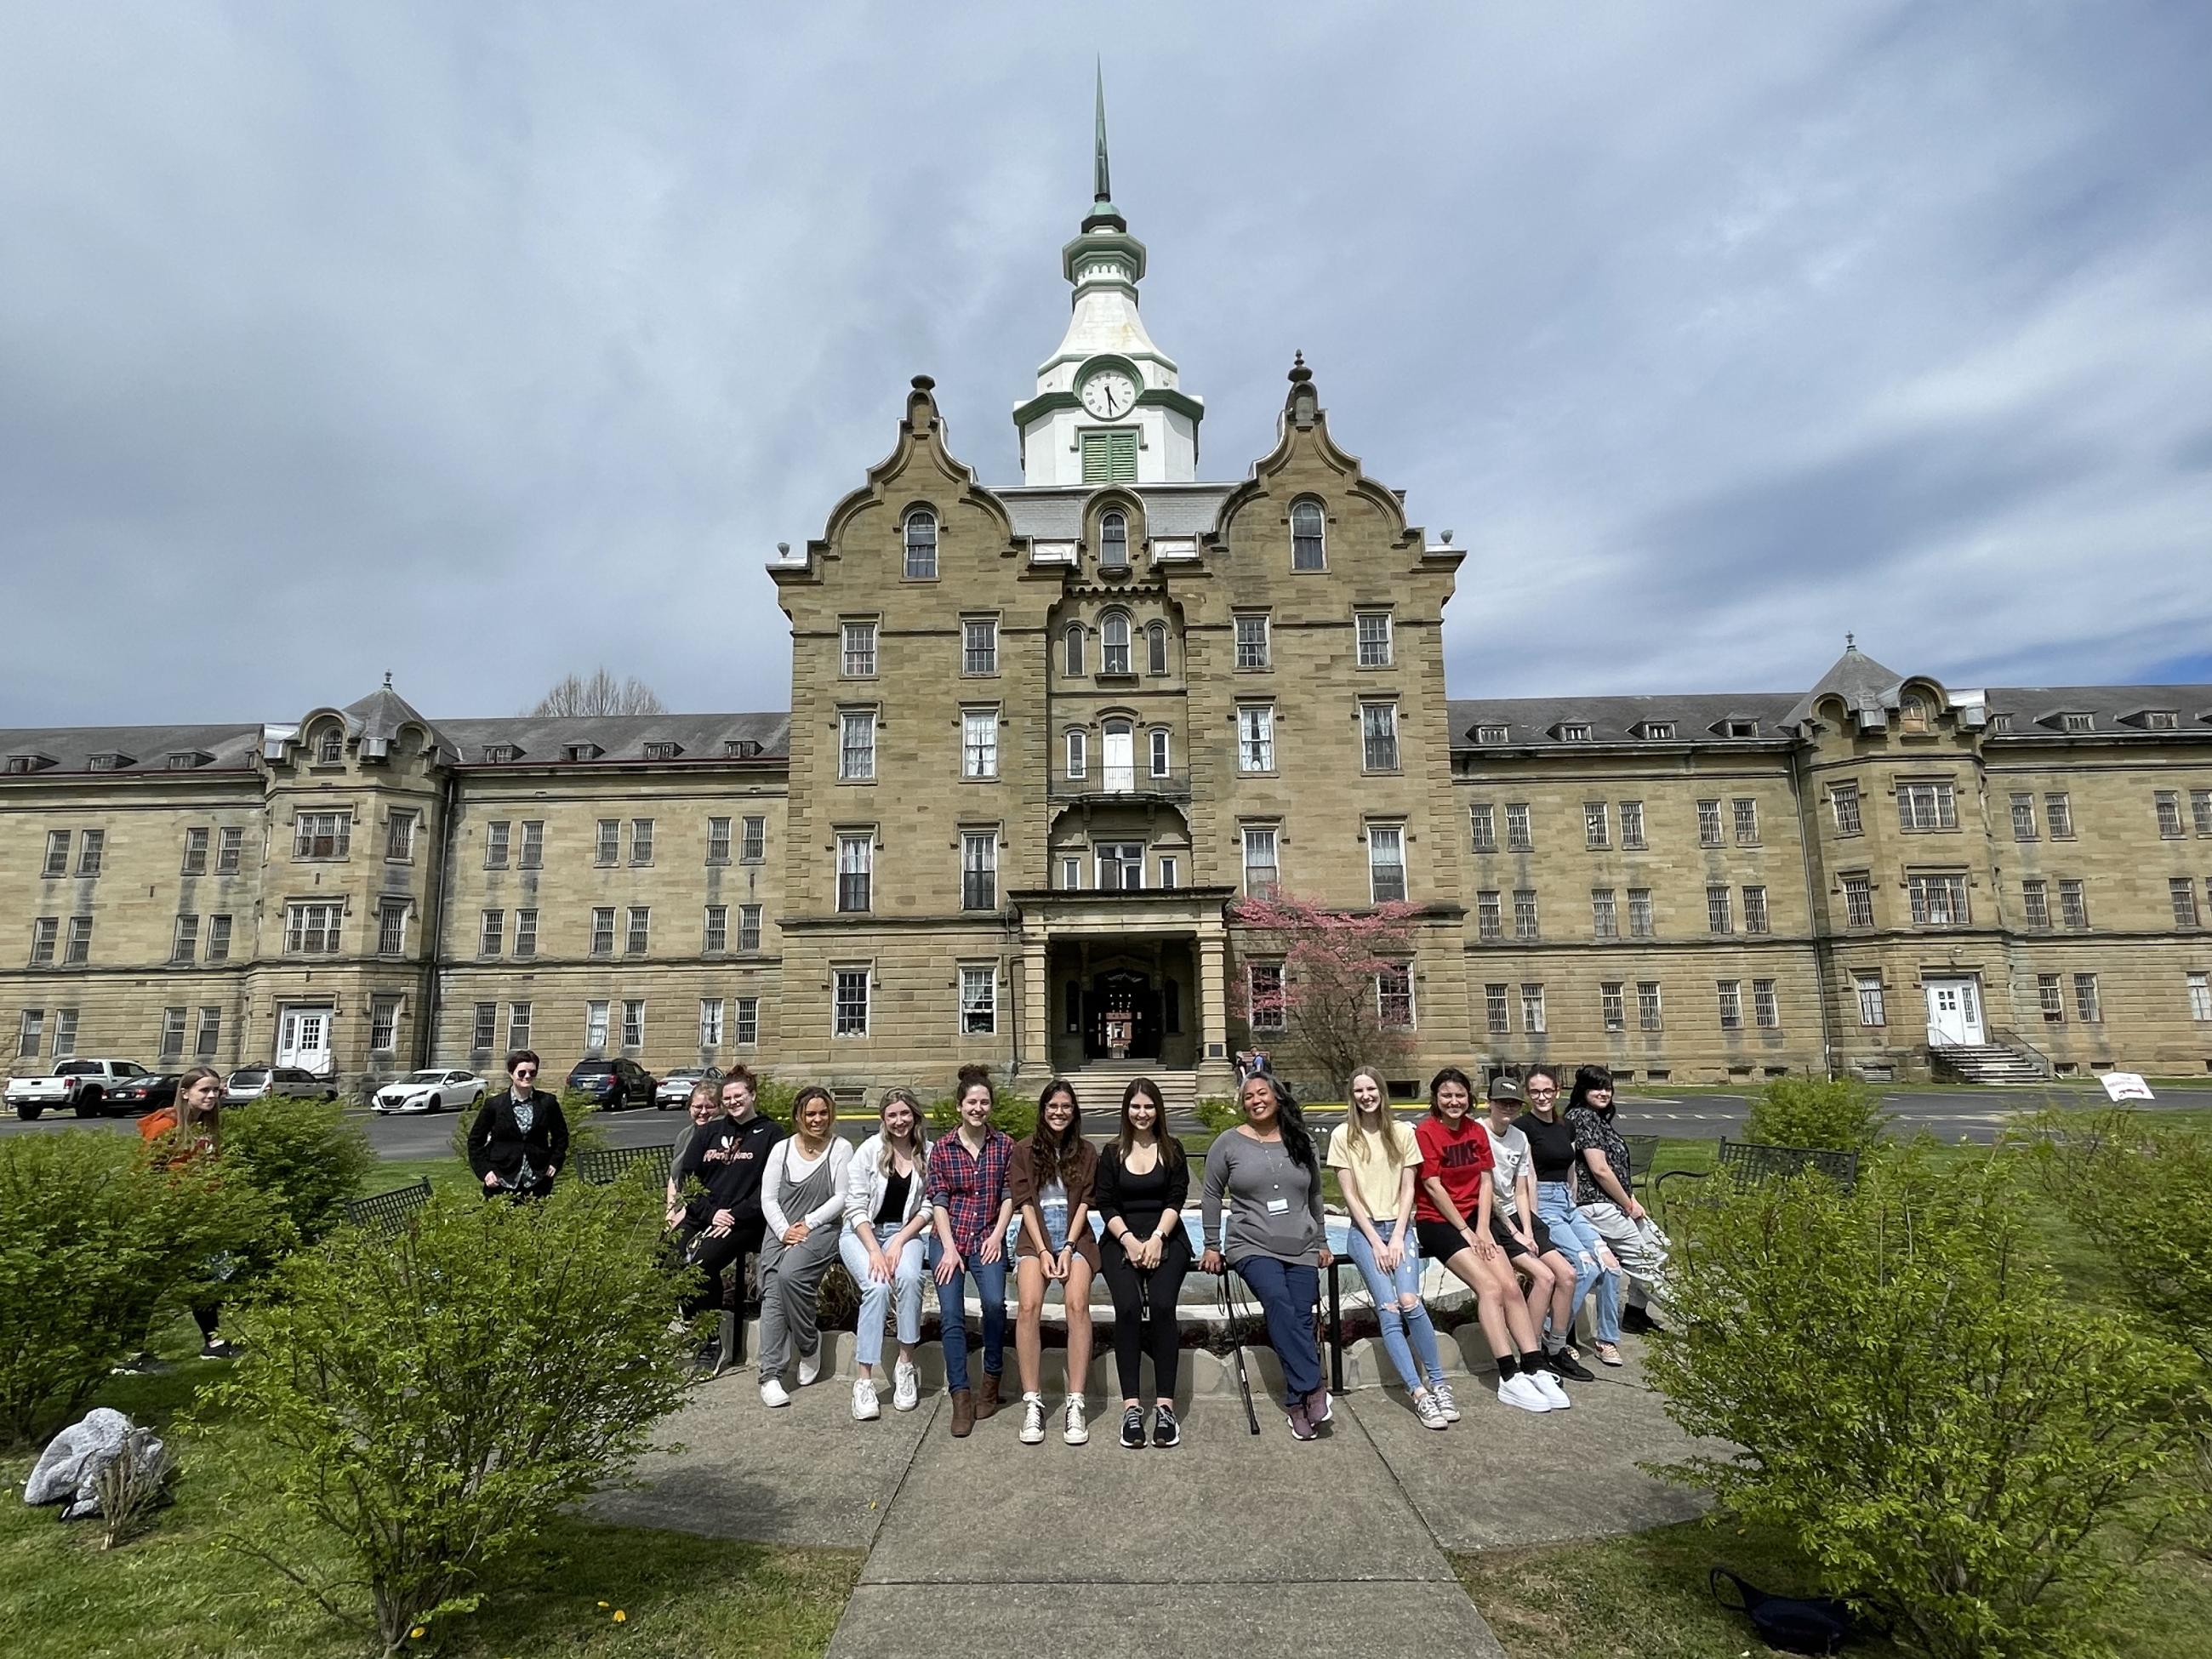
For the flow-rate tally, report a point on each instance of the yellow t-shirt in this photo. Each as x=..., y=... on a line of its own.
x=1375, y=1175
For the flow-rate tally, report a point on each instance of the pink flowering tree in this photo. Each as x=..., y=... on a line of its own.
x=1333, y=987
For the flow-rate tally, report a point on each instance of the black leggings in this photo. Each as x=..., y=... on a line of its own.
x=711, y=1256
x=1135, y=1336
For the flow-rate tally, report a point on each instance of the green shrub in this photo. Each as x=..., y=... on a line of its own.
x=1922, y=1406
x=1218, y=1115
x=431, y=1401
x=92, y=1239
x=1010, y=1112
x=303, y=1154
x=1841, y=1113
x=772, y=1097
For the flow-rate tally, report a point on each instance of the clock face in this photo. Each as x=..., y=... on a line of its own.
x=1110, y=392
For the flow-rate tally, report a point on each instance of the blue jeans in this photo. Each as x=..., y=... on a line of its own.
x=1286, y=1291
x=952, y=1304
x=1387, y=1291
x=906, y=1284
x=1580, y=1242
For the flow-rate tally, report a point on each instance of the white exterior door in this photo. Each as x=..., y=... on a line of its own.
x=303, y=1039
x=1954, y=1012
x=1120, y=759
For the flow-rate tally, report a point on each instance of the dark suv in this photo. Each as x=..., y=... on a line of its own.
x=612, y=1083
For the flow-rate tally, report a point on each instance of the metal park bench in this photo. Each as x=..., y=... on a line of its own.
x=390, y=1212
x=1746, y=1161
x=1643, y=1153
x=602, y=1165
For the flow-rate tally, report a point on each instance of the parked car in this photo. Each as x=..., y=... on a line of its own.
x=612, y=1083
x=79, y=1084
x=675, y=1088
x=429, y=1091
x=252, y=1082
x=149, y=1093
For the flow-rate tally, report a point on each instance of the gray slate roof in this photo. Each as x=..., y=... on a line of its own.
x=147, y=748
x=1699, y=717
x=2117, y=710
x=544, y=738
x=1055, y=512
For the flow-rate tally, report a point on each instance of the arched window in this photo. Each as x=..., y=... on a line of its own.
x=1160, y=754
x=1074, y=639
x=921, y=545
x=1309, y=550
x=1155, y=648
x=1114, y=542
x=1914, y=711
x=1118, y=756
x=329, y=743
x=1079, y=755
x=1114, y=643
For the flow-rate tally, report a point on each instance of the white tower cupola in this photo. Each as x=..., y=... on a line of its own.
x=1107, y=408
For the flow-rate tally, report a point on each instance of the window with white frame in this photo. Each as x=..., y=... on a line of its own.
x=753, y=848
x=1765, y=1011
x=391, y=927
x=1858, y=901
x=749, y=928
x=718, y=840
x=1730, y=993
x=2167, y=804
x=978, y=743
x=2200, y=810
x=1605, y=921
x=330, y=746
x=979, y=645
x=1261, y=873
x=979, y=998
x=1640, y=924
x=1071, y=872
x=1844, y=802
x=1746, y=812
x=1263, y=984
x=399, y=836
x=1114, y=643
x=2200, y=996
x=2058, y=815
x=639, y=933
x=1120, y=865
x=1497, y=1014
x=30, y=1033
x=1754, y=909
x=1255, y=737
x=58, y=852
x=595, y=1026
x=1393, y=995
x=172, y=1033
x=1372, y=630
x=2035, y=902
x=218, y=938
x=1169, y=872
x=311, y=929
x=1160, y=740
x=2073, y=903
x=90, y=847
x=745, y=1025
x=1717, y=915
x=848, y=1002
x=1386, y=863
x=1519, y=833
x=603, y=930
x=640, y=841
x=856, y=745
x=1709, y=823
x=1482, y=824
x=321, y=834
x=1155, y=647
x=1308, y=536
x=1938, y=901
x=484, y=1027
x=716, y=935
x=858, y=658
x=1251, y=639
x=633, y=1025
x=1078, y=754
x=2023, y=818
x=383, y=1024
x=1574, y=732
x=1072, y=643
x=606, y=846
x=230, y=847
x=979, y=869
x=1524, y=914
x=1632, y=826
x=1532, y=1009
x=1873, y=1007
x=856, y=866
x=2086, y=1002
x=1489, y=916
x=78, y=951
x=1923, y=806
x=64, y=1044
x=2050, y=998
x=1597, y=824
x=1649, y=1014
x=196, y=856
x=1378, y=736
x=1611, y=1008
x=710, y=1022
x=1113, y=541
x=45, y=932
x=921, y=545
x=2182, y=893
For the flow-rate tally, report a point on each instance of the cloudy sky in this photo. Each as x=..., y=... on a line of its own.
x=483, y=343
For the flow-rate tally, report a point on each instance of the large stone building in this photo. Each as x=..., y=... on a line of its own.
x=1041, y=736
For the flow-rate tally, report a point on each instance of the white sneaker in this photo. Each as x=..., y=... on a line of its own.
x=1430, y=1411
x=1442, y=1394
x=1550, y=1387
x=809, y=1366
x=865, y=1409
x=1521, y=1391
x=1077, y=1431
x=772, y=1394
x=678, y=1327
x=906, y=1385
x=1032, y=1420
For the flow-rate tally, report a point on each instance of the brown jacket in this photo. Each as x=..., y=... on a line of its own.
x=1022, y=1188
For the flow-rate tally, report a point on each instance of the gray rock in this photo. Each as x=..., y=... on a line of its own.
x=69, y=1470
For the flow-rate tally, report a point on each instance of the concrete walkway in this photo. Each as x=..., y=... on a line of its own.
x=1228, y=1544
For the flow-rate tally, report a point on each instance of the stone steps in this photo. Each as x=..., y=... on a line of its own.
x=1990, y=1063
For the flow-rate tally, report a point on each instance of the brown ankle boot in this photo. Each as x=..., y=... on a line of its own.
x=963, y=1413
x=987, y=1398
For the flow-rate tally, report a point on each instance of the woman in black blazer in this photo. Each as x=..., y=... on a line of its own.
x=519, y=1139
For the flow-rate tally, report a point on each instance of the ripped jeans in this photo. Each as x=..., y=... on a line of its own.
x=1388, y=1291
x=1579, y=1240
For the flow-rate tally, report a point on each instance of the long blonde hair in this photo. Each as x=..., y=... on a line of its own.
x=918, y=1143
x=1357, y=1134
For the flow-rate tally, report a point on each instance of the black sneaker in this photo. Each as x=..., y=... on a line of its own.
x=1635, y=1322
x=1563, y=1364
x=1166, y=1431
x=217, y=1349
x=1132, y=1428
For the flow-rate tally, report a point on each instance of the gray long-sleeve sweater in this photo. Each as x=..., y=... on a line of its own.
x=1274, y=1206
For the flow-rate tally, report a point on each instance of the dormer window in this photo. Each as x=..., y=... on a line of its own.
x=1491, y=733
x=1912, y=714
x=1656, y=731
x=330, y=746
x=741, y=748
x=2077, y=723
x=1575, y=732
x=19, y=764
x=501, y=754
x=584, y=751
x=663, y=751
x=2161, y=720
x=185, y=759
x=2000, y=722
x=108, y=763
x=1114, y=542
x=1740, y=728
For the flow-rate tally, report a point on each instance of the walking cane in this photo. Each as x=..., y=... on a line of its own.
x=1231, y=1317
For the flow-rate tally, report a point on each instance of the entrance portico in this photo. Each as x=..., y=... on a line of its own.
x=1124, y=975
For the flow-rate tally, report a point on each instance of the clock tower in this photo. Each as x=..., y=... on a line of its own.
x=1107, y=409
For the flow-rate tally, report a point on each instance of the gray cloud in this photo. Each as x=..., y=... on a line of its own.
x=481, y=343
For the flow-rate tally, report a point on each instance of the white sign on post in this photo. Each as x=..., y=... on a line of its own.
x=2127, y=1085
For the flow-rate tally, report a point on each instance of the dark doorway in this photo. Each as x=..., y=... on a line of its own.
x=1122, y=1016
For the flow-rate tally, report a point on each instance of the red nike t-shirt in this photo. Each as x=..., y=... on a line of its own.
x=1460, y=1158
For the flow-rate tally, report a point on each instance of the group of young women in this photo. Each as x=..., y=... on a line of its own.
x=1532, y=1212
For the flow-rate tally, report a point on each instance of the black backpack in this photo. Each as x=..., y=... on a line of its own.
x=1791, y=1624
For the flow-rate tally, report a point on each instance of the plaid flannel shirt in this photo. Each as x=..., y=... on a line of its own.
x=969, y=1189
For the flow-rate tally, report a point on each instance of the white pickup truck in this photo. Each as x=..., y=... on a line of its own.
x=79, y=1084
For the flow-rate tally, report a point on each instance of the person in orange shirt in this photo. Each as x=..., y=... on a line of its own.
x=193, y=1129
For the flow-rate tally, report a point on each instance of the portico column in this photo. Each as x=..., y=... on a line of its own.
x=1217, y=1073
x=1036, y=1030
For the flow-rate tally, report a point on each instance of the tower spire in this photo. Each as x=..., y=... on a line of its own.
x=1101, y=190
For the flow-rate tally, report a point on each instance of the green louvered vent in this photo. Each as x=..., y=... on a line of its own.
x=1109, y=458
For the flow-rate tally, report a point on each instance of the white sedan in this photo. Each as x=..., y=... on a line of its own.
x=429, y=1091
